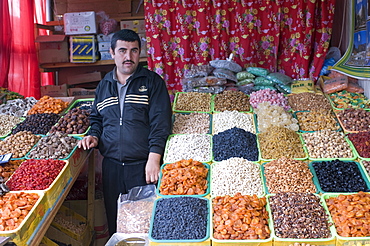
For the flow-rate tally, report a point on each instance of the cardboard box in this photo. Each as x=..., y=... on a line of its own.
x=84, y=78
x=104, y=38
x=105, y=55
x=53, y=48
x=103, y=46
x=66, y=214
x=136, y=25
x=80, y=23
x=83, y=49
x=59, y=236
x=54, y=90
x=81, y=93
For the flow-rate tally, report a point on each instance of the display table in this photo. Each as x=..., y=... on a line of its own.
x=77, y=161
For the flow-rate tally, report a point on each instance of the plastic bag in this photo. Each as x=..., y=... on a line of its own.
x=302, y=85
x=135, y=209
x=283, y=88
x=224, y=74
x=247, y=89
x=354, y=87
x=258, y=71
x=198, y=71
x=209, y=89
x=244, y=75
x=263, y=81
x=208, y=81
x=227, y=64
x=262, y=87
x=106, y=25
x=245, y=82
x=334, y=85
x=279, y=78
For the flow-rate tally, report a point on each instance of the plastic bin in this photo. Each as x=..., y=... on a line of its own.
x=205, y=104
x=158, y=192
x=317, y=183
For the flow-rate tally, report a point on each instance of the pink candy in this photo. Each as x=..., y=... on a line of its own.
x=268, y=95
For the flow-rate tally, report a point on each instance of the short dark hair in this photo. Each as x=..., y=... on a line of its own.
x=125, y=35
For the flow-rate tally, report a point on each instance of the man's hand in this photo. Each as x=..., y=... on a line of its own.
x=88, y=142
x=152, y=168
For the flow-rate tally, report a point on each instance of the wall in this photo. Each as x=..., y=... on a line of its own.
x=116, y=9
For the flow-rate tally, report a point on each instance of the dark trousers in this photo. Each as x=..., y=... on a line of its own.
x=118, y=178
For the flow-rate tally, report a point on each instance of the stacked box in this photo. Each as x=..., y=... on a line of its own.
x=83, y=49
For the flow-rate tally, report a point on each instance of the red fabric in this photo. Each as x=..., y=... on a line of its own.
x=288, y=36
x=18, y=52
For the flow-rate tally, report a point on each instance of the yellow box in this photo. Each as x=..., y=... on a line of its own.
x=56, y=188
x=47, y=242
x=75, y=218
x=28, y=226
x=77, y=160
x=354, y=241
x=204, y=243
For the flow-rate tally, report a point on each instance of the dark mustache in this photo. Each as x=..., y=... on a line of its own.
x=129, y=61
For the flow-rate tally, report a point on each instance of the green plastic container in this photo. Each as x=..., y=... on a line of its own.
x=74, y=104
x=208, y=159
x=296, y=117
x=265, y=183
x=301, y=159
x=254, y=121
x=158, y=192
x=207, y=229
x=260, y=172
x=317, y=183
x=331, y=241
x=247, y=242
x=63, y=159
x=210, y=121
x=344, y=241
x=214, y=110
x=179, y=94
x=354, y=156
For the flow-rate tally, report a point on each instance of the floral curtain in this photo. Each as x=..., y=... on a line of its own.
x=287, y=36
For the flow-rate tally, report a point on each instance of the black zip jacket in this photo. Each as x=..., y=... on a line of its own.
x=145, y=123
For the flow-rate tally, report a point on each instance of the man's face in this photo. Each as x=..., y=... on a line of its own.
x=126, y=56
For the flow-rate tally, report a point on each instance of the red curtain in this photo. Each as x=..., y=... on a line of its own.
x=288, y=36
x=18, y=57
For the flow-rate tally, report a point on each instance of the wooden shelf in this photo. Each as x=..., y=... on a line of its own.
x=69, y=64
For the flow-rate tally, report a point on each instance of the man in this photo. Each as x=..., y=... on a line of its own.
x=130, y=123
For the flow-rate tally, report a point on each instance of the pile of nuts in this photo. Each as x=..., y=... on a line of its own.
x=75, y=121
x=19, y=144
x=189, y=146
x=308, y=101
x=7, y=122
x=191, y=123
x=299, y=215
x=76, y=228
x=193, y=101
x=235, y=175
x=55, y=146
x=229, y=119
x=288, y=175
x=231, y=100
x=354, y=119
x=327, y=144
